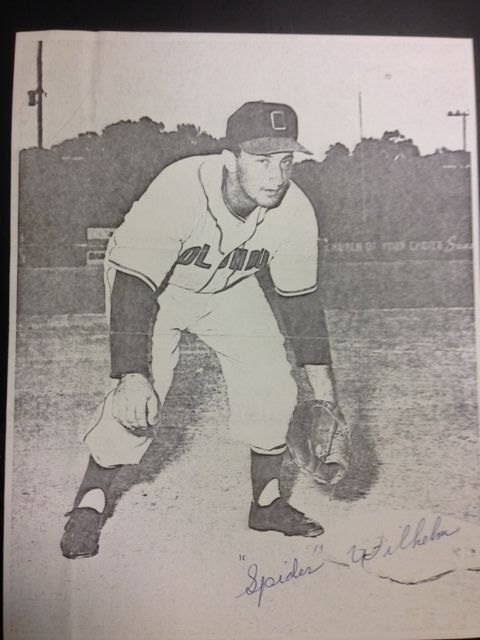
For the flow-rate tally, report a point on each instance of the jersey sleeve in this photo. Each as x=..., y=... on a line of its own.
x=148, y=242
x=294, y=266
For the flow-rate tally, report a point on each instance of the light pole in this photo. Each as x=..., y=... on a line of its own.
x=463, y=115
x=35, y=96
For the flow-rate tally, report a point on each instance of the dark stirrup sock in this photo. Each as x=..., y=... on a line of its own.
x=264, y=469
x=96, y=477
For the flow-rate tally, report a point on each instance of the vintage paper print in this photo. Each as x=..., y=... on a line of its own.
x=242, y=349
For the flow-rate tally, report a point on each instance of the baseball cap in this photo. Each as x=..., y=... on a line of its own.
x=265, y=127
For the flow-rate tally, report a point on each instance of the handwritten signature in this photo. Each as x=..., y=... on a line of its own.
x=412, y=536
x=258, y=584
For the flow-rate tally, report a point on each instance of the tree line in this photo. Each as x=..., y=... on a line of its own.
x=384, y=190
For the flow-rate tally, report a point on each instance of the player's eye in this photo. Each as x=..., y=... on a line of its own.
x=287, y=162
x=263, y=161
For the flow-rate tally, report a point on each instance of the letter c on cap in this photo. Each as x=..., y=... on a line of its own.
x=277, y=118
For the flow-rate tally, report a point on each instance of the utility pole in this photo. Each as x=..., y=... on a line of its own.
x=463, y=115
x=35, y=96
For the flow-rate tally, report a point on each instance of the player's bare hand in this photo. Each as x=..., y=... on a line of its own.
x=135, y=403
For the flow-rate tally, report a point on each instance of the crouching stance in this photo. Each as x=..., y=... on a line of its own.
x=183, y=260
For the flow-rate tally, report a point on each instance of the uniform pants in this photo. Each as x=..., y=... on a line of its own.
x=239, y=326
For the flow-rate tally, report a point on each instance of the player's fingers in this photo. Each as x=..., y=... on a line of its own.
x=152, y=409
x=130, y=414
x=141, y=414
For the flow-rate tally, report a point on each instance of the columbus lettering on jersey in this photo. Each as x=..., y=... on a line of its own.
x=236, y=260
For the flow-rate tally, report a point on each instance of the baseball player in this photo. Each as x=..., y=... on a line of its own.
x=183, y=259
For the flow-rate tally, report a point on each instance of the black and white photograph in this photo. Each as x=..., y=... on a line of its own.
x=242, y=387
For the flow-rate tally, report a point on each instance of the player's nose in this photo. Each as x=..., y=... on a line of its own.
x=275, y=177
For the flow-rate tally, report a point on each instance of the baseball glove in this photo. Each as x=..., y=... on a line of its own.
x=319, y=441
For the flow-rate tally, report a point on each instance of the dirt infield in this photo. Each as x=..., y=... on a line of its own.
x=406, y=379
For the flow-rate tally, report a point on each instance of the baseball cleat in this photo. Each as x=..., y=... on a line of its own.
x=82, y=533
x=281, y=516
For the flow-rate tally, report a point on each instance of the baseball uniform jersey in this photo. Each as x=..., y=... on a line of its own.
x=182, y=220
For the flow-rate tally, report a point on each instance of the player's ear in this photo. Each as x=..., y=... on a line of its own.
x=229, y=160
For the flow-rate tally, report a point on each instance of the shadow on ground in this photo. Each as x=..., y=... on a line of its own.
x=364, y=467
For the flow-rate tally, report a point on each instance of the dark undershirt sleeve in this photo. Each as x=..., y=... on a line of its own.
x=302, y=321
x=133, y=311
x=306, y=327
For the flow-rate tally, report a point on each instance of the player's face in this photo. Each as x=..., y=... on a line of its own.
x=264, y=179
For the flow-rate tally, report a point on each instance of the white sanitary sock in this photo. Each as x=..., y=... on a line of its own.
x=95, y=499
x=270, y=492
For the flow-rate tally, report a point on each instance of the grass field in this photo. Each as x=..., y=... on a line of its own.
x=406, y=379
